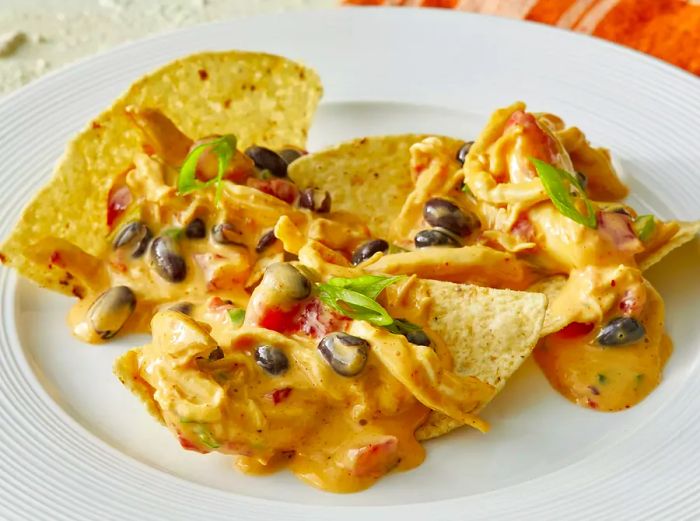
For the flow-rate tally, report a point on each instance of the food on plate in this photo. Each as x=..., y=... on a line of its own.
x=262, y=99
x=335, y=399
x=328, y=311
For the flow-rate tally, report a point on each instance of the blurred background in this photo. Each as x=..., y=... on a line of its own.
x=37, y=36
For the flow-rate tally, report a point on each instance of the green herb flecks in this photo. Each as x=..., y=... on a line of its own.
x=558, y=184
x=224, y=148
x=602, y=379
x=356, y=297
x=644, y=226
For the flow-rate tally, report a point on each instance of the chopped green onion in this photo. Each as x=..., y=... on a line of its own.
x=644, y=226
x=355, y=297
x=173, y=233
x=467, y=190
x=557, y=183
x=206, y=437
x=224, y=148
x=369, y=285
x=602, y=379
x=237, y=316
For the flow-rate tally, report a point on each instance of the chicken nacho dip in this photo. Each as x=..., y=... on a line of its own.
x=329, y=311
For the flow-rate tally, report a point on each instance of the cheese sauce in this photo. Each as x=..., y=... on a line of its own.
x=585, y=352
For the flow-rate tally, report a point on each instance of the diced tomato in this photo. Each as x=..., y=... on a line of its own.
x=618, y=228
x=535, y=142
x=279, y=188
x=277, y=319
x=188, y=445
x=118, y=200
x=629, y=303
x=575, y=329
x=279, y=395
x=317, y=320
x=522, y=228
x=375, y=459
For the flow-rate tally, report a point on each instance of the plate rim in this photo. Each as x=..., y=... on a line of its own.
x=58, y=75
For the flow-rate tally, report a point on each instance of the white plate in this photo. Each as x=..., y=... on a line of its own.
x=75, y=445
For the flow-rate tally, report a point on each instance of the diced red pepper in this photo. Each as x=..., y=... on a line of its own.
x=117, y=201
x=279, y=395
x=575, y=329
x=277, y=319
x=188, y=445
x=279, y=188
x=375, y=459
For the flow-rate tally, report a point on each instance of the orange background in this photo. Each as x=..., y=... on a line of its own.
x=667, y=29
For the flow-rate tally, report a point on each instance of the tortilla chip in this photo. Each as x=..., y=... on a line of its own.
x=687, y=231
x=370, y=177
x=126, y=368
x=550, y=287
x=489, y=332
x=262, y=99
x=476, y=264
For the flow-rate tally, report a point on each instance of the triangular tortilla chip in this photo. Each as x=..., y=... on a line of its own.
x=489, y=332
x=261, y=98
x=687, y=231
x=370, y=177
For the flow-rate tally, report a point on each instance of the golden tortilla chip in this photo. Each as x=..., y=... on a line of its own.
x=687, y=231
x=489, y=332
x=126, y=368
x=476, y=264
x=370, y=177
x=260, y=98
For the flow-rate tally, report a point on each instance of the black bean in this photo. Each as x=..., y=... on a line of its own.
x=346, y=354
x=266, y=159
x=620, y=331
x=315, y=200
x=412, y=332
x=436, y=237
x=196, y=229
x=582, y=179
x=111, y=310
x=167, y=260
x=225, y=233
x=445, y=214
x=463, y=151
x=290, y=154
x=216, y=354
x=271, y=359
x=266, y=240
x=285, y=279
x=135, y=236
x=365, y=250
x=182, y=307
